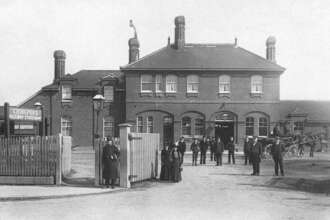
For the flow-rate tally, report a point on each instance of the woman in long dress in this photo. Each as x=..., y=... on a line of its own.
x=165, y=164
x=176, y=162
x=110, y=163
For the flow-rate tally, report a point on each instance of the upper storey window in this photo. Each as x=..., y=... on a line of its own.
x=171, y=83
x=256, y=84
x=108, y=93
x=146, y=83
x=224, y=84
x=192, y=84
x=158, y=83
x=66, y=93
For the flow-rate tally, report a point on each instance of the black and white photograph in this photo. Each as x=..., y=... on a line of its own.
x=165, y=109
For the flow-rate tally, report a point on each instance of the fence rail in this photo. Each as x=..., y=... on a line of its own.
x=29, y=156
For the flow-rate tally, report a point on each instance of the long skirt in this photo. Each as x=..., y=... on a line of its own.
x=175, y=171
x=165, y=172
x=110, y=169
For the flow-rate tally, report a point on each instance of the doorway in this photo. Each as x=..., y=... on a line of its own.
x=168, y=130
x=224, y=130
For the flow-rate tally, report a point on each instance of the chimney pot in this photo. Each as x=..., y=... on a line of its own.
x=179, y=38
x=59, y=64
x=270, y=49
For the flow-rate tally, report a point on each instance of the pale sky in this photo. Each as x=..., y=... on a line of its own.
x=94, y=35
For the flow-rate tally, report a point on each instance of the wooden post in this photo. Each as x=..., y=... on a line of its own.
x=124, y=130
x=58, y=178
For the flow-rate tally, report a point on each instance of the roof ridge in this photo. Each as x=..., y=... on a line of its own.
x=95, y=70
x=29, y=98
x=211, y=44
x=142, y=58
x=304, y=100
x=263, y=58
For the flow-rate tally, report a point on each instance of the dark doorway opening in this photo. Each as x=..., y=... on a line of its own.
x=224, y=130
x=168, y=130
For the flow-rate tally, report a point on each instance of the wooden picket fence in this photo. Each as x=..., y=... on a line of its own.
x=29, y=156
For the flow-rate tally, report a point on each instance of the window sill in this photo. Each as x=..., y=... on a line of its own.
x=67, y=102
x=170, y=94
x=159, y=94
x=256, y=94
x=224, y=94
x=192, y=94
x=145, y=94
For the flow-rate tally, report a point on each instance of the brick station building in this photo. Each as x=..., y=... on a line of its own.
x=182, y=89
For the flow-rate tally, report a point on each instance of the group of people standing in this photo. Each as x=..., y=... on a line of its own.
x=216, y=147
x=253, y=152
x=172, y=157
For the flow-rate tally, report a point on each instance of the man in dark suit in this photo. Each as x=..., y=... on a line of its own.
x=255, y=153
x=182, y=147
x=231, y=150
x=203, y=146
x=247, y=146
x=277, y=150
x=213, y=144
x=218, y=151
x=195, y=149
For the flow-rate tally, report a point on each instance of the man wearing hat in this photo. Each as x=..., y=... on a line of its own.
x=255, y=153
x=277, y=150
x=182, y=147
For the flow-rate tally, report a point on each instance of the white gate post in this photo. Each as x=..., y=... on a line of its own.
x=124, y=131
x=58, y=177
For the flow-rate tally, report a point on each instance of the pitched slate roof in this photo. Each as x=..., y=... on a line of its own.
x=88, y=79
x=317, y=111
x=204, y=57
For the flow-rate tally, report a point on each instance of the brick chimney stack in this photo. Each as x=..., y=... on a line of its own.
x=179, y=38
x=270, y=49
x=59, y=60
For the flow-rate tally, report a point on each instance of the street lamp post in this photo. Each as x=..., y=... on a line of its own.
x=98, y=101
x=39, y=106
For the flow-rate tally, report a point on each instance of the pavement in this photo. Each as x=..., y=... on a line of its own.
x=21, y=193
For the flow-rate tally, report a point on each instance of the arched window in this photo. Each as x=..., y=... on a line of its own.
x=66, y=126
x=199, y=126
x=146, y=83
x=224, y=84
x=249, y=126
x=108, y=127
x=256, y=84
x=171, y=83
x=186, y=126
x=192, y=84
x=263, y=126
x=150, y=124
